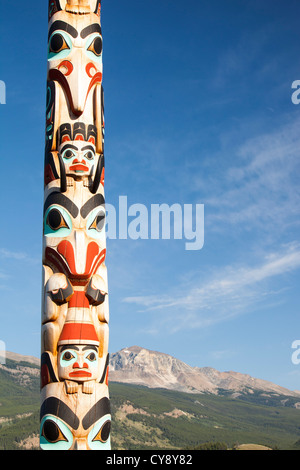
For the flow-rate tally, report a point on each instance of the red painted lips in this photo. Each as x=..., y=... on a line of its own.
x=79, y=167
x=80, y=373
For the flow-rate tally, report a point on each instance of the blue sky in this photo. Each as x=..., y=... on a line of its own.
x=198, y=111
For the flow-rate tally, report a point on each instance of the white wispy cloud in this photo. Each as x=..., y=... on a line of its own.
x=229, y=292
x=17, y=255
x=260, y=190
x=12, y=254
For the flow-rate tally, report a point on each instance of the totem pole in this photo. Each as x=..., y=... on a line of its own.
x=75, y=407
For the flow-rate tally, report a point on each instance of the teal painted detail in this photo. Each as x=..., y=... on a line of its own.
x=94, y=229
x=64, y=52
x=94, y=441
x=60, y=232
x=91, y=55
x=64, y=436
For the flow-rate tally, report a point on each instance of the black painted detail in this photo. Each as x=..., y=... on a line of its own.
x=94, y=295
x=100, y=409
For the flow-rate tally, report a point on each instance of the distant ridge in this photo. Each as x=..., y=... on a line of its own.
x=140, y=366
x=21, y=358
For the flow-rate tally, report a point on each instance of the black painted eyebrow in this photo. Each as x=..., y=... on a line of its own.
x=92, y=28
x=62, y=200
x=76, y=348
x=69, y=146
x=89, y=147
x=100, y=409
x=90, y=346
x=68, y=346
x=56, y=407
x=91, y=204
x=64, y=26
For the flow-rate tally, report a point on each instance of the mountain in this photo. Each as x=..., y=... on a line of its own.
x=140, y=366
x=21, y=358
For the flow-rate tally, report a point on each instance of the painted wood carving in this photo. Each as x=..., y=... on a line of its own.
x=75, y=408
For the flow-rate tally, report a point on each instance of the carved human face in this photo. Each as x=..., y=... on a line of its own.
x=78, y=158
x=78, y=362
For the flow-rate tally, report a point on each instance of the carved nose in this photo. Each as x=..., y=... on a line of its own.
x=83, y=365
x=80, y=444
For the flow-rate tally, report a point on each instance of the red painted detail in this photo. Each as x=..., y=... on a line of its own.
x=66, y=262
x=89, y=68
x=79, y=167
x=49, y=119
x=80, y=373
x=48, y=174
x=106, y=377
x=65, y=138
x=102, y=177
x=100, y=260
x=78, y=332
x=91, y=254
x=68, y=65
x=79, y=300
x=45, y=376
x=65, y=248
x=79, y=281
x=97, y=78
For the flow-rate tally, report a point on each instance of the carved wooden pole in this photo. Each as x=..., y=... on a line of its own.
x=75, y=409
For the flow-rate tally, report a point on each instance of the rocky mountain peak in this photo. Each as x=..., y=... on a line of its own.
x=141, y=366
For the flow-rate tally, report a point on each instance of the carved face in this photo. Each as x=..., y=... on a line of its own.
x=75, y=56
x=78, y=158
x=78, y=362
x=74, y=235
x=61, y=429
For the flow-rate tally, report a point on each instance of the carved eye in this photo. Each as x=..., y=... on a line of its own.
x=55, y=434
x=104, y=433
x=60, y=45
x=98, y=222
x=55, y=220
x=57, y=43
x=89, y=155
x=96, y=46
x=52, y=433
x=68, y=356
x=92, y=357
x=69, y=154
